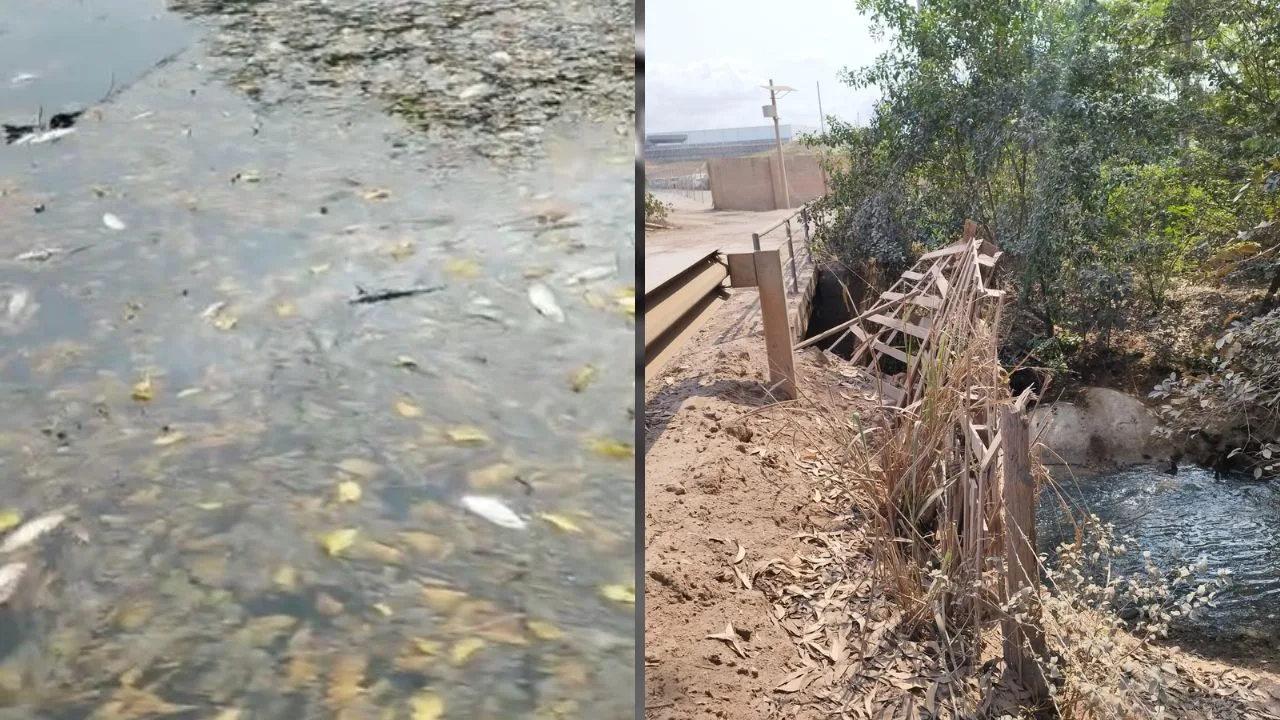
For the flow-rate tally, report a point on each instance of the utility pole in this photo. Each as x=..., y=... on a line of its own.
x=822, y=118
x=771, y=110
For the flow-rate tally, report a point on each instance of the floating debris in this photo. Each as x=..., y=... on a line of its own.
x=364, y=297
x=493, y=510
x=544, y=301
x=22, y=78
x=591, y=274
x=113, y=222
x=31, y=532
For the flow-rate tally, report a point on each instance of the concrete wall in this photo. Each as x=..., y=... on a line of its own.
x=754, y=183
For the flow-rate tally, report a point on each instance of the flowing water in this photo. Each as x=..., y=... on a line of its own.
x=184, y=376
x=1233, y=522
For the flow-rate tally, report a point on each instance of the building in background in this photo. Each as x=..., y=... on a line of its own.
x=710, y=144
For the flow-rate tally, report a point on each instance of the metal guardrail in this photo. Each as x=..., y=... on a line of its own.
x=676, y=309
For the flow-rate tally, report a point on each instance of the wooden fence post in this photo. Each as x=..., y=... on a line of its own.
x=1023, y=640
x=777, y=331
x=791, y=248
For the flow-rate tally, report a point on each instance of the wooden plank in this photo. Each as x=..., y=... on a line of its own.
x=892, y=352
x=930, y=301
x=943, y=286
x=912, y=275
x=1023, y=641
x=989, y=260
x=900, y=326
x=944, y=252
x=742, y=270
x=777, y=334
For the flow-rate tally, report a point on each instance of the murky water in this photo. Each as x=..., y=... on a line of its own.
x=183, y=375
x=1234, y=522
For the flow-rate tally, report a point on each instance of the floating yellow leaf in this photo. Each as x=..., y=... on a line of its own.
x=228, y=714
x=611, y=448
x=345, y=682
x=360, y=468
x=170, y=438
x=544, y=630
x=301, y=671
x=9, y=519
x=428, y=647
x=225, y=321
x=442, y=599
x=425, y=543
x=377, y=551
x=467, y=435
x=462, y=268
x=492, y=476
x=427, y=706
x=626, y=299
x=143, y=390
x=286, y=309
x=383, y=609
x=349, y=491
x=561, y=522
x=463, y=650
x=338, y=540
x=581, y=378
x=408, y=409
x=286, y=578
x=620, y=593
x=403, y=250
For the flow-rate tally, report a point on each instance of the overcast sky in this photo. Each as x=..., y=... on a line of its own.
x=705, y=61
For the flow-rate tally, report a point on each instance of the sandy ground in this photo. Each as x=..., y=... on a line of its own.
x=760, y=598
x=696, y=230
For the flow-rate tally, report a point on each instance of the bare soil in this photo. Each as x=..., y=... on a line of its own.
x=760, y=596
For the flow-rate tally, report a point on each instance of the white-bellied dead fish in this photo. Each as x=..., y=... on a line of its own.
x=31, y=531
x=112, y=221
x=544, y=301
x=10, y=577
x=493, y=510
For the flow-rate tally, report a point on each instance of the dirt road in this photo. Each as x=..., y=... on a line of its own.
x=696, y=230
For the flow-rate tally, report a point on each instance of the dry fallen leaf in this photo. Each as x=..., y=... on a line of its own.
x=442, y=599
x=611, y=448
x=619, y=593
x=581, y=378
x=338, y=540
x=561, y=522
x=143, y=390
x=544, y=630
x=730, y=637
x=9, y=519
x=349, y=491
x=426, y=706
x=491, y=476
x=463, y=650
x=408, y=409
x=467, y=435
x=462, y=268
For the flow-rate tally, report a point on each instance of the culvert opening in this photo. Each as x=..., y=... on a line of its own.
x=836, y=297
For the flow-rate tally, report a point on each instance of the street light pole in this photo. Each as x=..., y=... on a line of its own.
x=772, y=110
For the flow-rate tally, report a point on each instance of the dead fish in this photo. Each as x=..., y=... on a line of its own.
x=22, y=78
x=590, y=274
x=38, y=138
x=30, y=532
x=38, y=255
x=213, y=309
x=10, y=577
x=544, y=301
x=493, y=510
x=112, y=221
